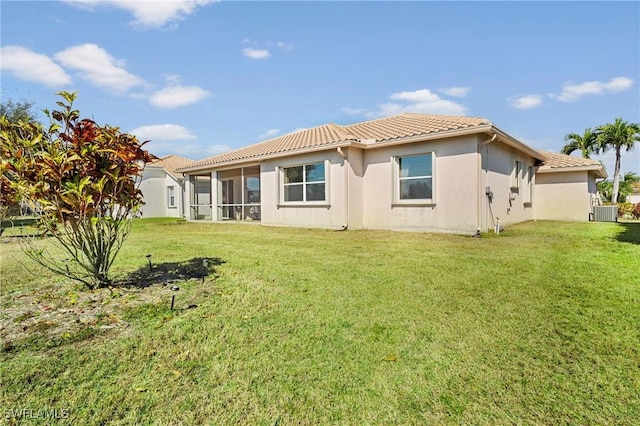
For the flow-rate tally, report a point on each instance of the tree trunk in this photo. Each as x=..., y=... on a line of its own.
x=616, y=177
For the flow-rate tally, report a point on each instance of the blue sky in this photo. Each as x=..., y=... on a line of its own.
x=201, y=77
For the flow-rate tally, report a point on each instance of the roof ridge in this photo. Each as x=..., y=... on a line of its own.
x=372, y=120
x=342, y=132
x=458, y=117
x=286, y=134
x=421, y=114
x=165, y=157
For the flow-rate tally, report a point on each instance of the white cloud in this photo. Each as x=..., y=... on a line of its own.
x=148, y=13
x=356, y=111
x=421, y=101
x=284, y=46
x=255, y=53
x=177, y=96
x=269, y=133
x=217, y=149
x=27, y=65
x=525, y=102
x=95, y=65
x=619, y=84
x=163, y=132
x=263, y=50
x=572, y=93
x=458, y=92
x=190, y=150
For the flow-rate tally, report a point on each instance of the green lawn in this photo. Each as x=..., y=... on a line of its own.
x=540, y=325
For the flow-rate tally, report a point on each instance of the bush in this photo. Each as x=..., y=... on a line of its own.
x=85, y=179
x=629, y=210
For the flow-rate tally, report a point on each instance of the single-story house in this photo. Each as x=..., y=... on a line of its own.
x=162, y=187
x=410, y=171
x=634, y=197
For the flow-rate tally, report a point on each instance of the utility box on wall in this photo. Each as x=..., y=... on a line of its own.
x=605, y=213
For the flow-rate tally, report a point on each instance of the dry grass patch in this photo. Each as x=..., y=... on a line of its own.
x=296, y=326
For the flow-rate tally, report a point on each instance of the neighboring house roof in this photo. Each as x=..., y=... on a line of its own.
x=369, y=134
x=635, y=188
x=171, y=163
x=567, y=163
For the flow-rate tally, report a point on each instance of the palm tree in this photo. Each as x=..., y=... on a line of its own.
x=626, y=185
x=605, y=187
x=617, y=135
x=587, y=143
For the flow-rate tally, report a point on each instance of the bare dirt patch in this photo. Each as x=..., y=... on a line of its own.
x=66, y=311
x=69, y=310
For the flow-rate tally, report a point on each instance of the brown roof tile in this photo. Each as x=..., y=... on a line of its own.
x=555, y=162
x=307, y=138
x=411, y=124
x=380, y=130
x=171, y=163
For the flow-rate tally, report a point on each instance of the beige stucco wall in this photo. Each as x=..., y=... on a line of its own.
x=455, y=188
x=361, y=189
x=355, y=185
x=330, y=214
x=564, y=196
x=154, y=186
x=507, y=204
x=369, y=201
x=153, y=191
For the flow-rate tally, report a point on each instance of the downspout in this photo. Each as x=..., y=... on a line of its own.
x=480, y=169
x=187, y=197
x=181, y=205
x=346, y=188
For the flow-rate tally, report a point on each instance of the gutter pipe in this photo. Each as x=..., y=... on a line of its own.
x=480, y=170
x=346, y=187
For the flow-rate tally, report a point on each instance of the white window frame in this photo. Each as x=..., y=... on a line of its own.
x=528, y=199
x=171, y=193
x=395, y=161
x=516, y=174
x=304, y=183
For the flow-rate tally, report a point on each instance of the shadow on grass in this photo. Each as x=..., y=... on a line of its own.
x=169, y=272
x=630, y=233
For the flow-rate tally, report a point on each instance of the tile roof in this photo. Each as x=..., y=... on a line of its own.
x=382, y=131
x=171, y=163
x=561, y=162
x=326, y=134
x=411, y=124
x=373, y=131
x=554, y=160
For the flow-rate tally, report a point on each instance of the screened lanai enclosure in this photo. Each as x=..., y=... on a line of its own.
x=200, y=197
x=237, y=195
